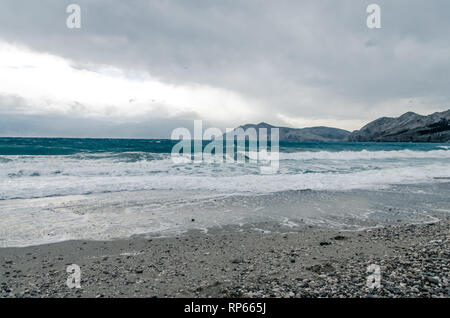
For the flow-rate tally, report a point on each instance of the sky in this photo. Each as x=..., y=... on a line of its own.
x=143, y=68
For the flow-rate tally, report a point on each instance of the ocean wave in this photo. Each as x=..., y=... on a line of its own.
x=5, y=160
x=248, y=183
x=350, y=155
x=121, y=157
x=143, y=164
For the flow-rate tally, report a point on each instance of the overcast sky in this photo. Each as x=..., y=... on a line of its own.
x=143, y=68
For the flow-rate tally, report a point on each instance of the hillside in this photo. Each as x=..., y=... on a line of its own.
x=410, y=127
x=303, y=134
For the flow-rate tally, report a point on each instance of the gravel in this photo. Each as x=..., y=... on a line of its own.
x=239, y=262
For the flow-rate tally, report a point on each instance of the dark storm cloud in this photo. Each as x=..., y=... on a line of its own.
x=312, y=59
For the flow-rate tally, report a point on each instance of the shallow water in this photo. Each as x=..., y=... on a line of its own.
x=166, y=213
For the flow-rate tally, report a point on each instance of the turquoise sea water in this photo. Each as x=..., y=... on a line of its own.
x=70, y=146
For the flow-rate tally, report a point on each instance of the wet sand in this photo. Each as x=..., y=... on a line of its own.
x=238, y=261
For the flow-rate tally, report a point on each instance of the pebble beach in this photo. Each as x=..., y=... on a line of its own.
x=238, y=262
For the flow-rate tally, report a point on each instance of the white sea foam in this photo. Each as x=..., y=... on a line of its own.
x=40, y=176
x=366, y=155
x=66, y=185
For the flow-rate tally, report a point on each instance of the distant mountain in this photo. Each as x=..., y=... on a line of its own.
x=303, y=134
x=410, y=127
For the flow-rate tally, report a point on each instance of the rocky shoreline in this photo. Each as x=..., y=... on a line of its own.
x=239, y=262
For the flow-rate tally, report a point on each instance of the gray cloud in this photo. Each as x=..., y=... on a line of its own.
x=311, y=59
x=16, y=125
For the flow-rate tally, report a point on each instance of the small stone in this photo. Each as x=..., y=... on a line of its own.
x=432, y=280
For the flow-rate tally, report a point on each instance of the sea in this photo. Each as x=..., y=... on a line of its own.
x=57, y=189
